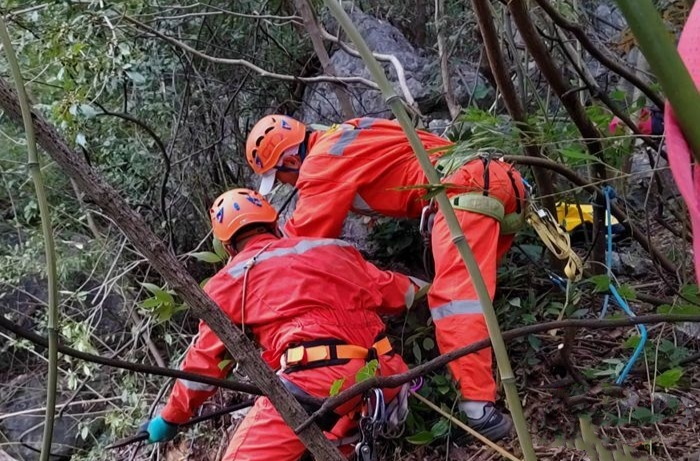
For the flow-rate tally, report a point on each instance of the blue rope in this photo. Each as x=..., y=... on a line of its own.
x=609, y=195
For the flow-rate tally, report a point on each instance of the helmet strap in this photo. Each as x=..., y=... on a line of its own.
x=304, y=145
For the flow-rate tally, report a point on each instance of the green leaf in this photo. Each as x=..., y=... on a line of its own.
x=602, y=282
x=416, y=352
x=626, y=291
x=632, y=342
x=224, y=363
x=150, y=303
x=642, y=414
x=421, y=438
x=336, y=386
x=572, y=153
x=220, y=250
x=80, y=140
x=207, y=257
x=368, y=371
x=136, y=77
x=428, y=344
x=440, y=428
x=683, y=309
x=165, y=297
x=534, y=341
x=151, y=287
x=669, y=378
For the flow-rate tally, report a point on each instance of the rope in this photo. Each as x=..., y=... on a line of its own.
x=556, y=240
x=609, y=195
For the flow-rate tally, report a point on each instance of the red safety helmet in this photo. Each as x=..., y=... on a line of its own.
x=239, y=208
x=268, y=140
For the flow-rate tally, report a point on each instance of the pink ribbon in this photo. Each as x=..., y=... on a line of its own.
x=679, y=154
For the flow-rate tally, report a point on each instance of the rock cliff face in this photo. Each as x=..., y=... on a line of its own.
x=421, y=68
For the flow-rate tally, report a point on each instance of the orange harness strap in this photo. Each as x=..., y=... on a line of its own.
x=301, y=357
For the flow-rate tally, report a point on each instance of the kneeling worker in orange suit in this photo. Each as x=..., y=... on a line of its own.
x=313, y=305
x=359, y=166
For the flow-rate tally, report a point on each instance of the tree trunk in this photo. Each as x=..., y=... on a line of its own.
x=452, y=105
x=304, y=9
x=133, y=226
x=576, y=111
x=492, y=46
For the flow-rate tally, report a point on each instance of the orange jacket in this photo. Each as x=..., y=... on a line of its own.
x=357, y=166
x=299, y=290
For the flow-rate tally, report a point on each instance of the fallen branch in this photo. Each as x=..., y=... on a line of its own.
x=421, y=370
x=242, y=62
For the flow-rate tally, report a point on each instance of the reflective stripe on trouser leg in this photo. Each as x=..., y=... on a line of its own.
x=458, y=321
x=453, y=283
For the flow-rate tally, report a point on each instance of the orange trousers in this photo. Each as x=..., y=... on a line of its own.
x=453, y=302
x=263, y=435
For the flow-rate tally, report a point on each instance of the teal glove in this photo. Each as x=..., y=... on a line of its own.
x=159, y=430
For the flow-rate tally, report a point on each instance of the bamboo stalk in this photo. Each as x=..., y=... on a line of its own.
x=458, y=238
x=655, y=42
x=37, y=178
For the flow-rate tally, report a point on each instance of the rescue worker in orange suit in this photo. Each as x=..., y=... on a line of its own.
x=313, y=306
x=359, y=166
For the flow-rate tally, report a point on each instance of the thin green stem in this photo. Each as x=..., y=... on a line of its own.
x=458, y=238
x=655, y=42
x=37, y=178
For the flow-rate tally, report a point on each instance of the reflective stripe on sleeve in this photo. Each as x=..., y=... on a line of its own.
x=346, y=137
x=366, y=122
x=456, y=307
x=195, y=386
x=302, y=247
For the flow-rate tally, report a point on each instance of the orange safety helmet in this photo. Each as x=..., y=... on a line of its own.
x=269, y=138
x=239, y=208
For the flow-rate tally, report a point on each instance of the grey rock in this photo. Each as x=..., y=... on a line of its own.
x=691, y=330
x=630, y=264
x=630, y=401
x=5, y=457
x=320, y=104
x=439, y=126
x=29, y=392
x=355, y=228
x=662, y=401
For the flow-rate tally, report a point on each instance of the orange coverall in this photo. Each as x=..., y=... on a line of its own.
x=358, y=166
x=299, y=290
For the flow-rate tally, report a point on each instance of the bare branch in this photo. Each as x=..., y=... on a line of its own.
x=390, y=58
x=602, y=56
x=314, y=31
x=452, y=105
x=242, y=62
